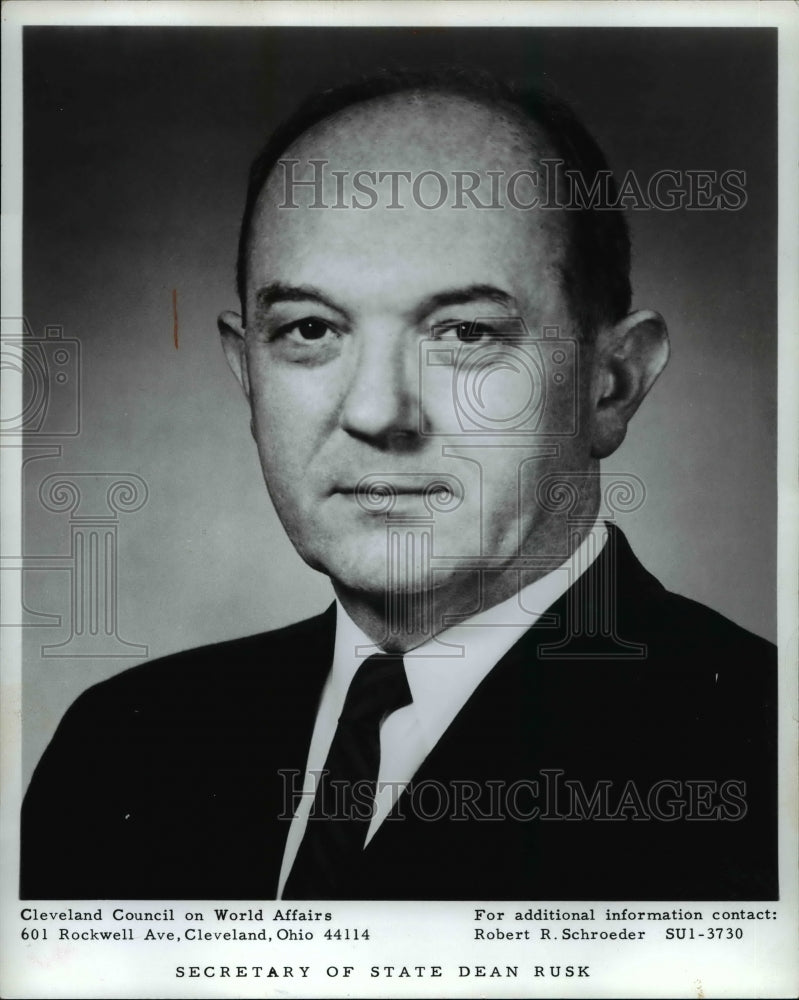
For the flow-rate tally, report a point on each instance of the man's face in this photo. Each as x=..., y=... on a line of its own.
x=363, y=363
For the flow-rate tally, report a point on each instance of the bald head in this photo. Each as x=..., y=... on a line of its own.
x=390, y=177
x=414, y=126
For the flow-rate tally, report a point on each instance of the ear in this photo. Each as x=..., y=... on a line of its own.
x=627, y=359
x=232, y=332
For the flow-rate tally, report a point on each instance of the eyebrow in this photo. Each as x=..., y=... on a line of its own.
x=278, y=291
x=463, y=296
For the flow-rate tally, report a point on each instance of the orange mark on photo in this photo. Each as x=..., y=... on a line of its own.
x=175, y=317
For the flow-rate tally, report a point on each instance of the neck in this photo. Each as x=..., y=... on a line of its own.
x=400, y=620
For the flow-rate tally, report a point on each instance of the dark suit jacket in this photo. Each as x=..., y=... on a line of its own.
x=164, y=781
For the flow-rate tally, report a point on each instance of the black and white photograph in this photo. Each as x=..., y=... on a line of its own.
x=399, y=553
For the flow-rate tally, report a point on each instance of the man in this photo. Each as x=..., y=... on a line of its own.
x=437, y=353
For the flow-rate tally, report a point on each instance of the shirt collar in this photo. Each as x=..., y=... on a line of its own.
x=444, y=671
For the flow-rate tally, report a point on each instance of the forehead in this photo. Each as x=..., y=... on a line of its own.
x=410, y=149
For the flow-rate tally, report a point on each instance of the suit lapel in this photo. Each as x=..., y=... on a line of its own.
x=298, y=669
x=520, y=713
x=554, y=693
x=294, y=676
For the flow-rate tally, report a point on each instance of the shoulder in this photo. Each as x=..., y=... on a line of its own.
x=725, y=667
x=675, y=623
x=696, y=623
x=215, y=678
x=693, y=663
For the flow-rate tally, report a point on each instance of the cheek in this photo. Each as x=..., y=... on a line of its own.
x=291, y=411
x=504, y=387
x=283, y=448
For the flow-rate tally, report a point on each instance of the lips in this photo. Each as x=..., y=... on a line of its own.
x=389, y=490
x=378, y=492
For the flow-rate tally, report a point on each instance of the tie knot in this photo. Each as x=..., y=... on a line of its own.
x=379, y=687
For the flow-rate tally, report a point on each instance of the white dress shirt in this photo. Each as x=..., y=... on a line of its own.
x=442, y=674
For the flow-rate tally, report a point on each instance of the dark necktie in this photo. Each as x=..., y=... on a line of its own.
x=342, y=810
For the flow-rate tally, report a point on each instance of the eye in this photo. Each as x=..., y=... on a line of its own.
x=475, y=331
x=305, y=330
x=467, y=331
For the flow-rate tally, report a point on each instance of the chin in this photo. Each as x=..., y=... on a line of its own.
x=366, y=570
x=356, y=556
x=353, y=567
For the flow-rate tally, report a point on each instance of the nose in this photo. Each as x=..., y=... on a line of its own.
x=381, y=403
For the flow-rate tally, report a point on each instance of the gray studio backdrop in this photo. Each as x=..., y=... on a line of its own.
x=137, y=143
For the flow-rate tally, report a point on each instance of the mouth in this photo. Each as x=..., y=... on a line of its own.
x=387, y=490
x=379, y=492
